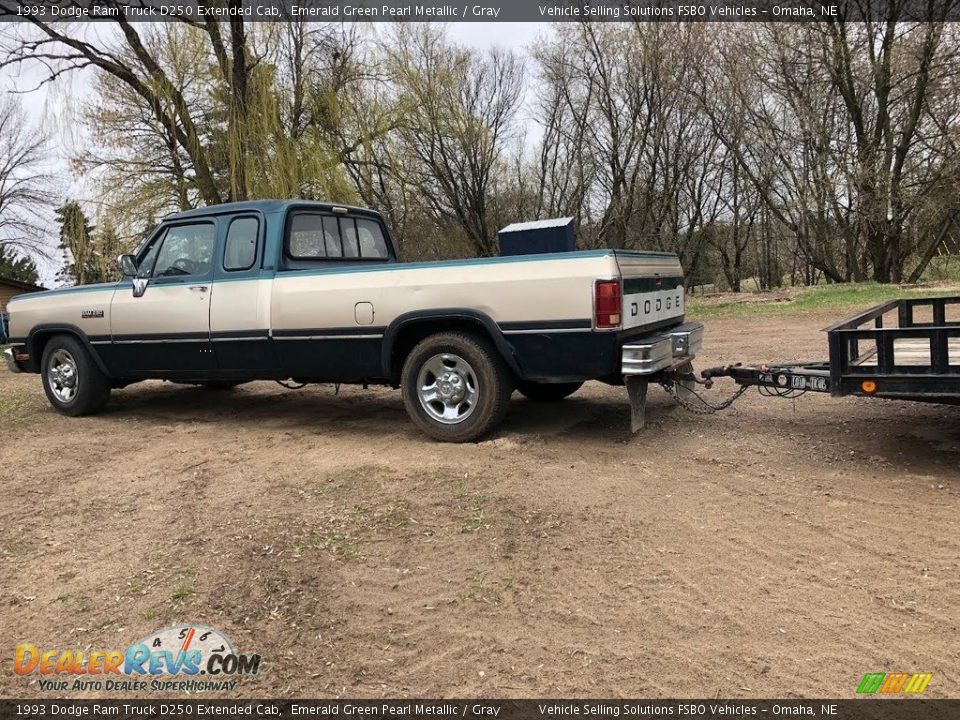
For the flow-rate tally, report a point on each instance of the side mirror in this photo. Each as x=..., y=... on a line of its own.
x=140, y=286
x=127, y=265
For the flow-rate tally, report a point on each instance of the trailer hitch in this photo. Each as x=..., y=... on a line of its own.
x=720, y=371
x=781, y=380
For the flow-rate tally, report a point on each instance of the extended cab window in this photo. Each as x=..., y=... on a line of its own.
x=321, y=236
x=240, y=251
x=183, y=250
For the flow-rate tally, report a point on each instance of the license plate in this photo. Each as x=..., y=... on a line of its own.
x=795, y=382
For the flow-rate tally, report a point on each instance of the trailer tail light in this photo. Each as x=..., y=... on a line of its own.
x=868, y=386
x=607, y=304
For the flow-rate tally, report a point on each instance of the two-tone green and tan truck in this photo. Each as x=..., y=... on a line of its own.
x=314, y=292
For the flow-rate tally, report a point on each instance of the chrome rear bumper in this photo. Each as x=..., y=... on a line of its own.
x=659, y=352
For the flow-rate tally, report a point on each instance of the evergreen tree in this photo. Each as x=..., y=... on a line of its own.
x=107, y=246
x=14, y=267
x=75, y=245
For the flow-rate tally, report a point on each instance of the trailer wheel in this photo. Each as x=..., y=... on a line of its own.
x=72, y=381
x=455, y=386
x=547, y=392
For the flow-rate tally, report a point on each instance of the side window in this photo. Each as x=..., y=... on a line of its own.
x=371, y=241
x=186, y=250
x=331, y=236
x=306, y=239
x=147, y=260
x=240, y=251
x=315, y=236
x=348, y=233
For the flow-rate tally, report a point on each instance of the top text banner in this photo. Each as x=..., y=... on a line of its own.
x=491, y=11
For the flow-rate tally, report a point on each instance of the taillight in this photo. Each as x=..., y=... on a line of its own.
x=607, y=304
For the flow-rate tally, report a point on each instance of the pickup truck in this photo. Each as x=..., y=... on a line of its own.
x=313, y=292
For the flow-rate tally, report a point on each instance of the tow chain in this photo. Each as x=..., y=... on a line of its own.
x=702, y=406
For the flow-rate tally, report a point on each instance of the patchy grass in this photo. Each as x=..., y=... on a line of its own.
x=20, y=405
x=474, y=523
x=348, y=528
x=340, y=544
x=182, y=593
x=846, y=297
x=395, y=514
x=945, y=268
x=341, y=479
x=354, y=507
x=474, y=505
x=481, y=589
x=18, y=547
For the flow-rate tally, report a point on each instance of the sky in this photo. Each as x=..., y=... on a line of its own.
x=50, y=108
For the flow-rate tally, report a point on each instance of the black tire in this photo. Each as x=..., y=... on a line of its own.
x=485, y=383
x=547, y=392
x=220, y=385
x=67, y=359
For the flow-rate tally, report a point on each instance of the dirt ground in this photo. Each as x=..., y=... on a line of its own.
x=783, y=548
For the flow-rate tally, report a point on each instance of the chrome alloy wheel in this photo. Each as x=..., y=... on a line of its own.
x=447, y=388
x=62, y=375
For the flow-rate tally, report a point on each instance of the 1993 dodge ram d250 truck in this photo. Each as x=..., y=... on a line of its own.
x=313, y=292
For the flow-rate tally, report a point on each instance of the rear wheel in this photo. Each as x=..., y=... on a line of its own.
x=547, y=392
x=72, y=381
x=456, y=387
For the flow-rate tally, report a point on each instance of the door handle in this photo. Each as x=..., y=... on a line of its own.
x=199, y=288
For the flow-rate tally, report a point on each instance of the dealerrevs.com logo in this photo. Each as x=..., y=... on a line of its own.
x=187, y=658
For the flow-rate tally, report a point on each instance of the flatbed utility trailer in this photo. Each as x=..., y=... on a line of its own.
x=906, y=349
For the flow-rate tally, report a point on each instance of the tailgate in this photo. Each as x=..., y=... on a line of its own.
x=653, y=291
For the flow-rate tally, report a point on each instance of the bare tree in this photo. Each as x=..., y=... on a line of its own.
x=62, y=48
x=460, y=106
x=26, y=188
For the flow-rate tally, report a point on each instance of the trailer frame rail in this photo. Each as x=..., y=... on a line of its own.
x=887, y=351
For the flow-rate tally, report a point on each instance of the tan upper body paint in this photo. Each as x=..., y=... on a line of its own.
x=524, y=291
x=198, y=305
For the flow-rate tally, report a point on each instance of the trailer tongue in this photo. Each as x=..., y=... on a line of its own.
x=917, y=358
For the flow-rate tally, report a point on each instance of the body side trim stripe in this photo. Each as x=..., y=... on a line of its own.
x=552, y=324
x=282, y=333
x=546, y=331
x=160, y=341
x=239, y=334
x=330, y=337
x=162, y=337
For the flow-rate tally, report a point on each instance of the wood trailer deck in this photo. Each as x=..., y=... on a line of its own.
x=911, y=351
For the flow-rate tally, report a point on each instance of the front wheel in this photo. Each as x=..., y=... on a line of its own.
x=547, y=392
x=72, y=381
x=456, y=387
